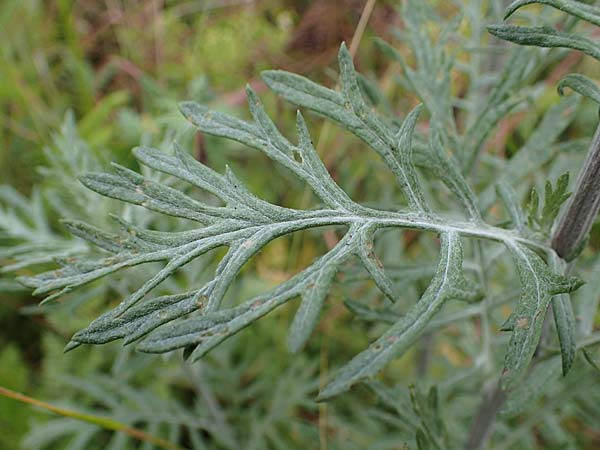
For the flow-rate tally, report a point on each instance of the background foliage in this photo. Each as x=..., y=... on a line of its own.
x=84, y=82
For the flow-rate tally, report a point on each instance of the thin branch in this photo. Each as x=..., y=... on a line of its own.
x=485, y=418
x=103, y=422
x=362, y=25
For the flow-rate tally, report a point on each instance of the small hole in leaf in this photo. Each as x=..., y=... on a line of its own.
x=297, y=156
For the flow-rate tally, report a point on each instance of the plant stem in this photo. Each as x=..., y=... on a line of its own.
x=576, y=220
x=485, y=417
x=425, y=350
x=484, y=320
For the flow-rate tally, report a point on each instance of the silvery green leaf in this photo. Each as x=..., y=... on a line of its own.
x=372, y=263
x=107, y=241
x=532, y=388
x=554, y=199
x=244, y=224
x=139, y=320
x=404, y=138
x=590, y=360
x=264, y=136
x=580, y=84
x=545, y=37
x=539, y=148
x=350, y=110
x=509, y=197
x=586, y=300
x=430, y=78
x=365, y=313
x=538, y=285
x=307, y=316
x=447, y=169
x=499, y=104
x=23, y=222
x=131, y=187
x=423, y=442
x=447, y=283
x=589, y=13
x=432, y=432
x=564, y=320
x=533, y=207
x=210, y=329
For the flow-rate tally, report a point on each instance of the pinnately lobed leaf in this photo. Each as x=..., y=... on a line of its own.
x=538, y=285
x=448, y=283
x=196, y=321
x=352, y=114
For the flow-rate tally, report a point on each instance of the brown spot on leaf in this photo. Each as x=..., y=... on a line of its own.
x=522, y=322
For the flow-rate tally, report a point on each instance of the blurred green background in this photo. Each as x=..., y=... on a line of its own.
x=105, y=76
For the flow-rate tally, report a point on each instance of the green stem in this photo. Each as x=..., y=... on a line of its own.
x=100, y=421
